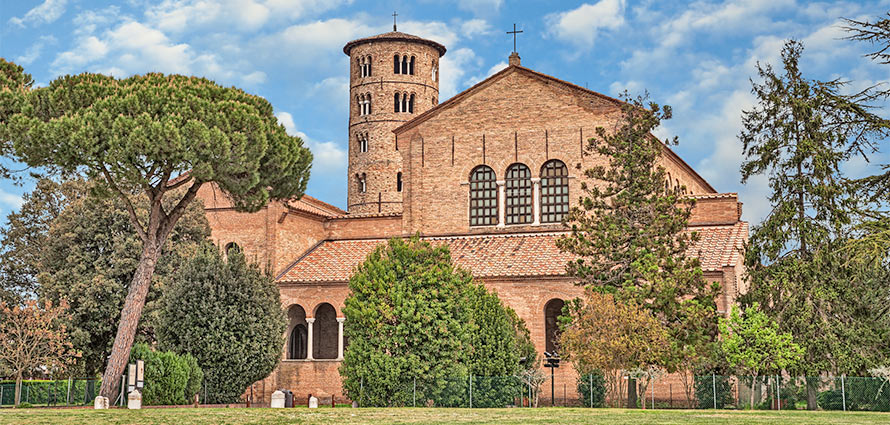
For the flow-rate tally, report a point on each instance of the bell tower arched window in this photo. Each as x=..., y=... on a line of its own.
x=483, y=197
x=362, y=139
x=411, y=66
x=518, y=190
x=411, y=104
x=399, y=181
x=361, y=181
x=396, y=65
x=554, y=191
x=405, y=64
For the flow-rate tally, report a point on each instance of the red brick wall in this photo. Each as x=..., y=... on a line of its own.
x=517, y=118
x=364, y=227
x=719, y=210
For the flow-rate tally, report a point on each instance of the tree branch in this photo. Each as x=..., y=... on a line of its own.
x=177, y=211
x=132, y=211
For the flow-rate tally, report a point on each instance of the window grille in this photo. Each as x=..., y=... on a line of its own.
x=483, y=197
x=518, y=188
x=554, y=191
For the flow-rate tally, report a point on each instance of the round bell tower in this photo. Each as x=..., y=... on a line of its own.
x=393, y=78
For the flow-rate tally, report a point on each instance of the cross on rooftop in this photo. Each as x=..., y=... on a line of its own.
x=394, y=14
x=514, y=32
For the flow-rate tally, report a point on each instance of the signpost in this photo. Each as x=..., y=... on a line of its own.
x=551, y=361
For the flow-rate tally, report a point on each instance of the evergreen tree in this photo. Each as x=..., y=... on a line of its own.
x=151, y=134
x=227, y=314
x=412, y=314
x=799, y=134
x=629, y=234
x=24, y=237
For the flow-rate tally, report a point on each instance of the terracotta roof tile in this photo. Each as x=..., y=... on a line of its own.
x=394, y=36
x=513, y=255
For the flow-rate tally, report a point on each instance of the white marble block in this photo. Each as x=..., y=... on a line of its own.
x=277, y=400
x=100, y=403
x=134, y=400
x=313, y=403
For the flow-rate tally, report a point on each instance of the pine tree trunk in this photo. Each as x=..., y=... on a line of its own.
x=812, y=403
x=18, y=388
x=130, y=314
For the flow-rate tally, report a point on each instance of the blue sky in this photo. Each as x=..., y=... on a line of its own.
x=696, y=56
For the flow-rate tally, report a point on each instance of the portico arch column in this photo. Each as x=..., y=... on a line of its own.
x=340, y=321
x=309, y=322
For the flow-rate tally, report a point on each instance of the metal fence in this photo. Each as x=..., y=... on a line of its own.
x=666, y=392
x=67, y=392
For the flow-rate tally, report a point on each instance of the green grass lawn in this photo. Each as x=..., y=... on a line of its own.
x=328, y=416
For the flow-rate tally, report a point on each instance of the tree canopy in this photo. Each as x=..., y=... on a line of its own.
x=412, y=314
x=226, y=313
x=629, y=234
x=801, y=258
x=152, y=134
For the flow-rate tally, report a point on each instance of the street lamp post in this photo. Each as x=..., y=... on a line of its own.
x=552, y=361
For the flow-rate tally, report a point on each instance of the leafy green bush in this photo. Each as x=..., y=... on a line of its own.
x=227, y=313
x=167, y=376
x=24, y=406
x=196, y=378
x=412, y=315
x=592, y=387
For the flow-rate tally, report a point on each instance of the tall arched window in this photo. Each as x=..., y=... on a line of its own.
x=667, y=183
x=297, y=333
x=369, y=66
x=397, y=103
x=405, y=64
x=411, y=66
x=368, y=104
x=552, y=311
x=554, y=191
x=325, y=333
x=518, y=188
x=411, y=104
x=399, y=181
x=396, y=66
x=483, y=197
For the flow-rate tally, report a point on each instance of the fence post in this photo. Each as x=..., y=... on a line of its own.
x=653, y=394
x=68, y=393
x=361, y=391
x=1, y=395
x=471, y=391
x=714, y=388
x=843, y=394
x=414, y=398
x=591, y=390
x=778, y=393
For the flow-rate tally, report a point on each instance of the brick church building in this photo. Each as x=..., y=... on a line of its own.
x=490, y=173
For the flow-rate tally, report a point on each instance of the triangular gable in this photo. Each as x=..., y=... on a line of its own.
x=458, y=98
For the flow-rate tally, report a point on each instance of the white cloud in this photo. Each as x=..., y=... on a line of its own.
x=331, y=89
x=475, y=27
x=34, y=51
x=254, y=78
x=480, y=6
x=452, y=69
x=11, y=199
x=45, y=13
x=328, y=158
x=580, y=26
x=239, y=15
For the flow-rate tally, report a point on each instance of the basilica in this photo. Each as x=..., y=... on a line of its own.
x=490, y=172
